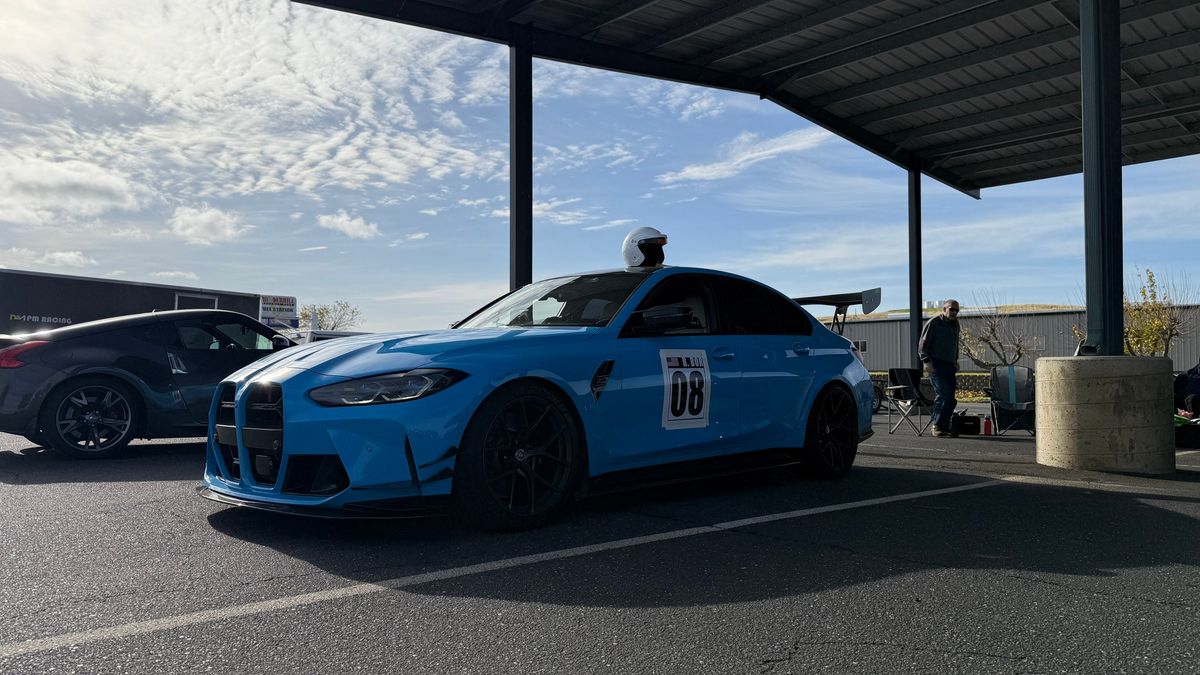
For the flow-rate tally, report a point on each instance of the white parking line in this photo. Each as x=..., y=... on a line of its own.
x=209, y=615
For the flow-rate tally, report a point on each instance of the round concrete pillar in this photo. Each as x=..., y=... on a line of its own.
x=1105, y=413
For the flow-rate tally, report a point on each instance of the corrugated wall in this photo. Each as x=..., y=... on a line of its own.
x=1051, y=333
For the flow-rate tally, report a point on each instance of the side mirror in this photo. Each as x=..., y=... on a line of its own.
x=279, y=342
x=665, y=318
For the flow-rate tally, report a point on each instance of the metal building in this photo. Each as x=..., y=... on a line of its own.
x=884, y=342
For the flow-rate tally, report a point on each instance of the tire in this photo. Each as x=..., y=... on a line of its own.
x=520, y=459
x=831, y=441
x=876, y=399
x=90, y=418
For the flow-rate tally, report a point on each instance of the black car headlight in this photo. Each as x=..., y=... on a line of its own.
x=390, y=388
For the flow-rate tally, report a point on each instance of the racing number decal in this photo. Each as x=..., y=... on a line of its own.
x=687, y=388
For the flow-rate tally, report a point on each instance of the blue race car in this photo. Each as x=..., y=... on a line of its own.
x=513, y=413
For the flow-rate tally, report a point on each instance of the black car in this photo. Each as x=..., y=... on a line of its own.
x=87, y=390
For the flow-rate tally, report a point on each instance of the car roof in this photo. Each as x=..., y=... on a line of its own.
x=125, y=321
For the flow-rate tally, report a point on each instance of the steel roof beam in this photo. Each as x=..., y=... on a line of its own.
x=1130, y=53
x=611, y=15
x=1180, y=150
x=699, y=24
x=1075, y=150
x=1033, y=106
x=971, y=58
x=939, y=20
x=766, y=37
x=1042, y=132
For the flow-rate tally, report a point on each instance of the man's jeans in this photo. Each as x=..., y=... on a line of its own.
x=943, y=380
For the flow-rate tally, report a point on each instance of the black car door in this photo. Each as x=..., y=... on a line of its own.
x=206, y=350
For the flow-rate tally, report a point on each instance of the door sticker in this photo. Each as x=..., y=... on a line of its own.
x=687, y=388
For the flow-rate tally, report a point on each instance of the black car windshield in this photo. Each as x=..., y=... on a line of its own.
x=586, y=300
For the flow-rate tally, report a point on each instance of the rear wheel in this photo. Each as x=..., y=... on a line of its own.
x=519, y=461
x=90, y=417
x=831, y=443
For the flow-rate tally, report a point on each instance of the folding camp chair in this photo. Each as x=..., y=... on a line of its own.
x=1012, y=398
x=905, y=396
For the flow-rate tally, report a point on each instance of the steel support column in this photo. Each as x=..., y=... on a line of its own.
x=520, y=139
x=915, y=314
x=1100, y=73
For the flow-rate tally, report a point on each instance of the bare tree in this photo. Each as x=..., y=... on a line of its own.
x=997, y=339
x=338, y=316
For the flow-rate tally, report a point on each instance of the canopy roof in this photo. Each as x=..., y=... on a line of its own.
x=974, y=93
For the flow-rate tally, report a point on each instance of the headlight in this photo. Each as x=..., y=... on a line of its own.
x=390, y=388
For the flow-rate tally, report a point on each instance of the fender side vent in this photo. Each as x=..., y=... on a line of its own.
x=600, y=379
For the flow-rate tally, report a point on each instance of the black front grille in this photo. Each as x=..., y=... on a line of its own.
x=225, y=404
x=229, y=455
x=264, y=406
x=262, y=433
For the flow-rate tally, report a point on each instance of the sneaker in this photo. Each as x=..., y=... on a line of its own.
x=944, y=433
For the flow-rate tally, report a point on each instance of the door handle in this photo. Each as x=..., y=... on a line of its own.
x=801, y=349
x=723, y=354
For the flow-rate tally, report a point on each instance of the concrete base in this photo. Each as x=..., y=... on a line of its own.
x=1105, y=413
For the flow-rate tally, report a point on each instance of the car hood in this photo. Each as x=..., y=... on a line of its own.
x=374, y=353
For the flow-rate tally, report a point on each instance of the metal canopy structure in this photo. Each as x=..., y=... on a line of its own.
x=973, y=93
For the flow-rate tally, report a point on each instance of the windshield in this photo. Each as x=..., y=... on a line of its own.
x=587, y=300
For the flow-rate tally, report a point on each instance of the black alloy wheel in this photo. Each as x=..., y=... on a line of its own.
x=90, y=418
x=832, y=440
x=519, y=460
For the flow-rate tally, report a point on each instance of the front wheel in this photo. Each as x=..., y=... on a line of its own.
x=90, y=418
x=831, y=442
x=520, y=459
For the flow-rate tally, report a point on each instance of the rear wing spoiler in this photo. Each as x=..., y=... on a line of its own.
x=869, y=300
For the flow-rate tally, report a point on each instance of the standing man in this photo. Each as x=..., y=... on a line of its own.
x=938, y=350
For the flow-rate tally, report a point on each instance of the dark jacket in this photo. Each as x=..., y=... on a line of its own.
x=1188, y=383
x=939, y=340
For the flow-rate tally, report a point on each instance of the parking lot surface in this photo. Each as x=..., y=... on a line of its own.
x=945, y=555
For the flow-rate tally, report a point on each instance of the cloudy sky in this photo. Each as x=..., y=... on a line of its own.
x=260, y=146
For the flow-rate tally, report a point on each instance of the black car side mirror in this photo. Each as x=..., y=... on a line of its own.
x=279, y=342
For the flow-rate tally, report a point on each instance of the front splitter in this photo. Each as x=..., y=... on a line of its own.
x=407, y=507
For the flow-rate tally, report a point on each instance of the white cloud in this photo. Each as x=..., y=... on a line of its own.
x=36, y=191
x=552, y=210
x=220, y=99
x=190, y=276
x=430, y=212
x=206, y=226
x=355, y=228
x=114, y=274
x=25, y=257
x=746, y=150
x=620, y=222
x=313, y=248
x=551, y=159
x=410, y=237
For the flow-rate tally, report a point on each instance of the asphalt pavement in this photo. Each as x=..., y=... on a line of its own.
x=934, y=555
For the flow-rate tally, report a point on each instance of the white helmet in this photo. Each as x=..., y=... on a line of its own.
x=643, y=247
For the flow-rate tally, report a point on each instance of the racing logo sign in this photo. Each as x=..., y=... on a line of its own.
x=687, y=387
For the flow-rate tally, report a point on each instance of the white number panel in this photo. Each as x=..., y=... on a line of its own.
x=687, y=387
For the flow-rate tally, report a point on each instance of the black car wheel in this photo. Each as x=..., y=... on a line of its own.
x=519, y=461
x=877, y=398
x=90, y=418
x=831, y=443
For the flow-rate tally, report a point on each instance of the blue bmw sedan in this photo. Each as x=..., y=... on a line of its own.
x=514, y=412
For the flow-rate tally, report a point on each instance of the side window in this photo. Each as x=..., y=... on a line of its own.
x=244, y=336
x=687, y=292
x=750, y=309
x=200, y=335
